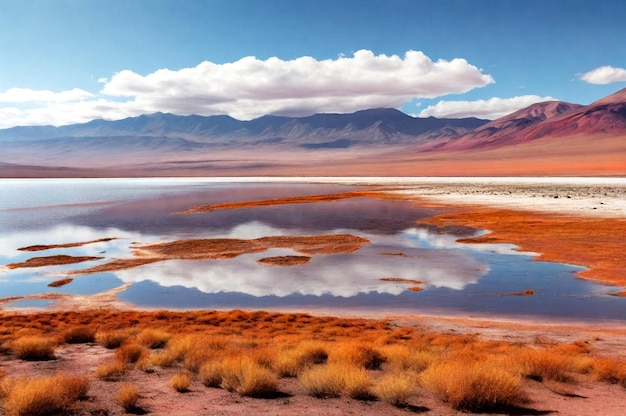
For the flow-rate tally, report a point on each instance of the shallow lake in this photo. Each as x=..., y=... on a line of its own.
x=454, y=278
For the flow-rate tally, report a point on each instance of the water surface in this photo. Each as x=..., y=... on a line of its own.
x=467, y=279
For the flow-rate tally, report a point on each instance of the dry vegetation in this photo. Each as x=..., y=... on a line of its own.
x=255, y=353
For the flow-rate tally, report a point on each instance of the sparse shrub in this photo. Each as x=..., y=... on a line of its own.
x=609, y=370
x=130, y=353
x=359, y=355
x=153, y=338
x=43, y=395
x=111, y=370
x=180, y=382
x=395, y=388
x=291, y=362
x=80, y=335
x=403, y=358
x=33, y=348
x=248, y=378
x=544, y=364
x=323, y=381
x=165, y=358
x=112, y=339
x=211, y=374
x=357, y=383
x=473, y=386
x=127, y=397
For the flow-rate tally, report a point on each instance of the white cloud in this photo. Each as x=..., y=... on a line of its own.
x=604, y=75
x=251, y=87
x=27, y=95
x=490, y=109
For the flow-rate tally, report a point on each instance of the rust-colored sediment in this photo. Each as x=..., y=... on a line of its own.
x=595, y=243
x=51, y=261
x=401, y=280
x=61, y=282
x=227, y=248
x=284, y=260
x=288, y=200
x=41, y=247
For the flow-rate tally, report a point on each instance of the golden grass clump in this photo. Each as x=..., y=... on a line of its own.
x=211, y=374
x=112, y=339
x=181, y=382
x=127, y=397
x=545, y=364
x=82, y=334
x=357, y=354
x=472, y=385
x=323, y=381
x=610, y=370
x=153, y=338
x=33, y=348
x=111, y=370
x=43, y=395
x=290, y=362
x=245, y=376
x=357, y=383
x=404, y=358
x=395, y=388
x=130, y=353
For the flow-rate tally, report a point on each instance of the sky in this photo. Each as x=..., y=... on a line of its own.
x=72, y=61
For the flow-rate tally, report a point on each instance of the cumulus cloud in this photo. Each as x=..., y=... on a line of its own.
x=490, y=109
x=252, y=87
x=604, y=75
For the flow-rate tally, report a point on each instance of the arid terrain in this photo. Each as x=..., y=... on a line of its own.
x=120, y=359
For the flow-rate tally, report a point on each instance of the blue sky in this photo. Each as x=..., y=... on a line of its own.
x=66, y=61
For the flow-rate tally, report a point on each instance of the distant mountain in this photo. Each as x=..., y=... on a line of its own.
x=365, y=127
x=550, y=119
x=545, y=138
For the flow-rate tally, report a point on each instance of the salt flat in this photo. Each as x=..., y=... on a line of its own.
x=586, y=196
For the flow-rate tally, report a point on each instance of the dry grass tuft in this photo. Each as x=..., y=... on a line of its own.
x=112, y=339
x=323, y=381
x=130, y=353
x=33, y=348
x=359, y=355
x=545, y=364
x=111, y=370
x=610, y=370
x=181, y=382
x=43, y=395
x=81, y=334
x=248, y=378
x=473, y=386
x=153, y=338
x=395, y=388
x=402, y=358
x=127, y=397
x=211, y=374
x=357, y=383
x=290, y=362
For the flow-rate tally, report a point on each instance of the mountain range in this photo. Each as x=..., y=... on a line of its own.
x=552, y=138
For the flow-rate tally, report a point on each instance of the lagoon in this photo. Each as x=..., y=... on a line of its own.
x=453, y=278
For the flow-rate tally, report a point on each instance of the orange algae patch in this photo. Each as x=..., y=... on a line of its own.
x=596, y=243
x=284, y=260
x=51, y=261
x=40, y=247
x=227, y=248
x=283, y=201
